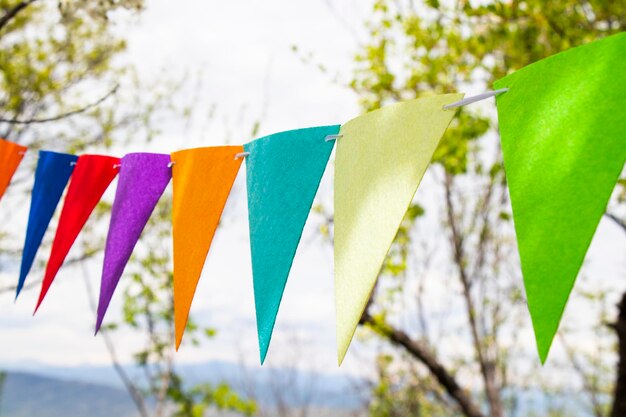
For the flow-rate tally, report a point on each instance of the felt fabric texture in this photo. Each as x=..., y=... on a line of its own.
x=283, y=173
x=11, y=154
x=202, y=179
x=142, y=180
x=51, y=177
x=381, y=159
x=90, y=179
x=563, y=134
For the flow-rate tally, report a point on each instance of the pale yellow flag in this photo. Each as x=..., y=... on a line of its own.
x=381, y=159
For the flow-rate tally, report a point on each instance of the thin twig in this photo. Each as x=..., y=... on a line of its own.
x=32, y=284
x=132, y=389
x=487, y=367
x=589, y=383
x=63, y=115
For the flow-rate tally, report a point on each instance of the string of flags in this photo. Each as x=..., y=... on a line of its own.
x=561, y=122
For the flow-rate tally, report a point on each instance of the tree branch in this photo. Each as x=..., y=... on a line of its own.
x=421, y=353
x=11, y=13
x=63, y=115
x=621, y=223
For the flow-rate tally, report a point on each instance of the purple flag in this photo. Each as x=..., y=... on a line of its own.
x=143, y=178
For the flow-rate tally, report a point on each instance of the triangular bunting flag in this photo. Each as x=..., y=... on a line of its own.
x=11, y=155
x=202, y=179
x=92, y=175
x=381, y=159
x=51, y=177
x=143, y=178
x=563, y=136
x=283, y=173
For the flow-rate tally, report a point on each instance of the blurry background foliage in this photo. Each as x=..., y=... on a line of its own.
x=431, y=363
x=65, y=87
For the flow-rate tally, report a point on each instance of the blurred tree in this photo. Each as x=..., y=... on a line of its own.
x=62, y=87
x=148, y=310
x=472, y=367
x=290, y=390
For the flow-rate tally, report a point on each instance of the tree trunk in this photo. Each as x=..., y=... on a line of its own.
x=619, y=399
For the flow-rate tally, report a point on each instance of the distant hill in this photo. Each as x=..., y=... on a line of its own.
x=27, y=395
x=30, y=395
x=92, y=391
x=302, y=388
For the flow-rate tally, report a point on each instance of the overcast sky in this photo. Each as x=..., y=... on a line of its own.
x=244, y=50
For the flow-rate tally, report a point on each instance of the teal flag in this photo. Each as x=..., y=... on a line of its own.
x=563, y=133
x=283, y=173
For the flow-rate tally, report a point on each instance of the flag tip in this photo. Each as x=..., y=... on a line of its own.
x=263, y=356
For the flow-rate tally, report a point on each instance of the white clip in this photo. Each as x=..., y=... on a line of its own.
x=474, y=99
x=242, y=155
x=116, y=166
x=171, y=164
x=73, y=163
x=332, y=137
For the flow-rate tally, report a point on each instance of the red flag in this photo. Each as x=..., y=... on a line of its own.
x=92, y=175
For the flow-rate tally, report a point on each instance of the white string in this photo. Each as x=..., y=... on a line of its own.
x=328, y=138
x=474, y=99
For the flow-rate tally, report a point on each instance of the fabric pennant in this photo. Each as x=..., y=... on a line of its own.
x=51, y=177
x=283, y=174
x=11, y=154
x=562, y=129
x=143, y=178
x=381, y=159
x=90, y=179
x=202, y=180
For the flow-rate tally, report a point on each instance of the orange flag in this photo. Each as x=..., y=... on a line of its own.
x=11, y=155
x=202, y=179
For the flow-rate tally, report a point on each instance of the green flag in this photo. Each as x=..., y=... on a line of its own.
x=563, y=132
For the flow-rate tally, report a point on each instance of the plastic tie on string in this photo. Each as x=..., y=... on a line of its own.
x=171, y=164
x=332, y=137
x=474, y=99
x=242, y=155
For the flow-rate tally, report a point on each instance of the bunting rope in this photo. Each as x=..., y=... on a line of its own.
x=561, y=123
